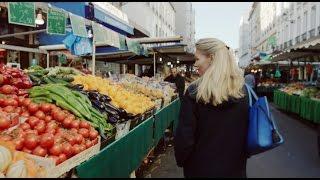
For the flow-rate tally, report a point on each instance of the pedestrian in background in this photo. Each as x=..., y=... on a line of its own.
x=179, y=81
x=210, y=139
x=250, y=80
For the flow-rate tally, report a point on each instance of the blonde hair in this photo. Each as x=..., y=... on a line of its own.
x=223, y=78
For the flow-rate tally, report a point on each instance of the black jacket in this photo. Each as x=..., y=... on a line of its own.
x=179, y=81
x=211, y=141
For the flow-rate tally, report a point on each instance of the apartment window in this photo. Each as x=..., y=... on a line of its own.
x=313, y=17
x=298, y=25
x=305, y=19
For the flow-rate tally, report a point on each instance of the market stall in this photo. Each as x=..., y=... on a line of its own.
x=299, y=99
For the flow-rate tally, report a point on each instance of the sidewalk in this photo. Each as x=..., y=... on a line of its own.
x=296, y=158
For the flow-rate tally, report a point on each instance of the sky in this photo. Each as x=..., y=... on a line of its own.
x=220, y=20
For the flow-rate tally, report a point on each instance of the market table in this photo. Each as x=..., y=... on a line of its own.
x=125, y=155
x=306, y=108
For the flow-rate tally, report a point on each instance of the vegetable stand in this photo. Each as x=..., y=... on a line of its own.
x=308, y=109
x=124, y=155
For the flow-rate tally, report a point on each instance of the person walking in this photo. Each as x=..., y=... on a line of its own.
x=250, y=80
x=179, y=81
x=210, y=139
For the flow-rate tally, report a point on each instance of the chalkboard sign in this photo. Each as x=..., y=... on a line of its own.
x=56, y=22
x=78, y=26
x=99, y=33
x=22, y=13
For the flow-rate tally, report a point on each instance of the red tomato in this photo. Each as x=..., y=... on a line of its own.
x=79, y=138
x=47, y=140
x=50, y=131
x=60, y=116
x=7, y=89
x=84, y=124
x=67, y=122
x=95, y=141
x=14, y=103
x=18, y=143
x=39, y=114
x=47, y=119
x=46, y=107
x=71, y=116
x=25, y=114
x=52, y=125
x=82, y=147
x=62, y=158
x=40, y=127
x=33, y=121
x=72, y=140
x=55, y=150
x=84, y=132
x=25, y=126
x=30, y=131
x=26, y=150
x=73, y=130
x=9, y=109
x=33, y=107
x=26, y=102
x=55, y=158
x=93, y=134
x=67, y=149
x=75, y=124
x=39, y=151
x=31, y=141
x=20, y=101
x=14, y=121
x=4, y=123
x=5, y=137
x=89, y=144
x=58, y=139
x=76, y=149
x=18, y=110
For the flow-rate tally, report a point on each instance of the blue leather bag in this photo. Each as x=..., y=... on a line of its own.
x=262, y=132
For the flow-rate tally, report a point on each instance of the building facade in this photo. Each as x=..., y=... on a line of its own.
x=158, y=18
x=276, y=26
x=244, y=41
x=185, y=23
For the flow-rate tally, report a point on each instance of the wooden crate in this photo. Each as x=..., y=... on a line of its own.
x=53, y=171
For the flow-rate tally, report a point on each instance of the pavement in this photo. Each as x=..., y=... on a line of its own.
x=296, y=158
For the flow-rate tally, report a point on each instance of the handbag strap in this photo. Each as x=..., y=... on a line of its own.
x=250, y=94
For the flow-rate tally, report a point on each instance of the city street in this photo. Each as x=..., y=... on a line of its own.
x=296, y=158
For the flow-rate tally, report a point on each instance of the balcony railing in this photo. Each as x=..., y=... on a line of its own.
x=312, y=33
x=304, y=36
x=297, y=39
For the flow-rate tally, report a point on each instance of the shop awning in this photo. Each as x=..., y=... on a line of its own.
x=107, y=19
x=311, y=43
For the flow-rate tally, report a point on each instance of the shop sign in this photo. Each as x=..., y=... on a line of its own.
x=78, y=26
x=56, y=22
x=22, y=13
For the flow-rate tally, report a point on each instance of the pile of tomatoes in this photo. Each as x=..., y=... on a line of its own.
x=47, y=131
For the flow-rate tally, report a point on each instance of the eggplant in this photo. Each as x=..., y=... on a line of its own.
x=94, y=95
x=105, y=98
x=98, y=104
x=112, y=120
x=110, y=106
x=112, y=112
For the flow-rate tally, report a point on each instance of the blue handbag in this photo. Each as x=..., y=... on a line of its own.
x=262, y=132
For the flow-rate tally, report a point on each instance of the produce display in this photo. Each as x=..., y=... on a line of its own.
x=16, y=164
x=46, y=130
x=61, y=75
x=72, y=101
x=311, y=92
x=14, y=81
x=120, y=97
x=294, y=88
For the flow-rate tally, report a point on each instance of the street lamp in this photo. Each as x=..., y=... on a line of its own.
x=39, y=20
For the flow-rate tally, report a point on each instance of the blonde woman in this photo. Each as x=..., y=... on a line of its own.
x=210, y=139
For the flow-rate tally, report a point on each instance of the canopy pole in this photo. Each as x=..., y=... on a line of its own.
x=48, y=60
x=154, y=64
x=93, y=55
